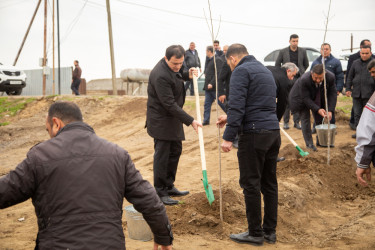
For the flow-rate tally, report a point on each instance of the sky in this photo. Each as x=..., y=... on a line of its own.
x=143, y=29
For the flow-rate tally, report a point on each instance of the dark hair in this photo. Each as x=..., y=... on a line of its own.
x=66, y=111
x=363, y=42
x=210, y=48
x=371, y=64
x=76, y=61
x=174, y=50
x=317, y=69
x=236, y=49
x=329, y=45
x=217, y=41
x=366, y=47
x=293, y=36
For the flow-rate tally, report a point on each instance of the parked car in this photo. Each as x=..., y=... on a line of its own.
x=12, y=80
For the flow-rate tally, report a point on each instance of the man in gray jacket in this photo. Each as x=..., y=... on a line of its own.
x=77, y=182
x=298, y=56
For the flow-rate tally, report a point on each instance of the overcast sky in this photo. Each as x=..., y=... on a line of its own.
x=143, y=29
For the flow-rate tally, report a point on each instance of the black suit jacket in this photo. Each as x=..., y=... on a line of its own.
x=166, y=96
x=210, y=72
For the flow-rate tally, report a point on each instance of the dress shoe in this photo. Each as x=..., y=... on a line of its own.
x=286, y=126
x=175, y=192
x=245, y=238
x=313, y=131
x=354, y=136
x=311, y=146
x=297, y=126
x=205, y=123
x=352, y=126
x=270, y=238
x=168, y=200
x=280, y=159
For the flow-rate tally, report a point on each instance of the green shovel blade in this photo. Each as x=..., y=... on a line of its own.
x=207, y=188
x=301, y=152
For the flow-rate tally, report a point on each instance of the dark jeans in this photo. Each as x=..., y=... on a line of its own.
x=257, y=155
x=209, y=98
x=189, y=85
x=358, y=105
x=166, y=157
x=75, y=86
x=296, y=117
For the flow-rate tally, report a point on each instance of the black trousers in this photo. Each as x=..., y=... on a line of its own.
x=75, y=86
x=287, y=112
x=257, y=155
x=166, y=157
x=358, y=105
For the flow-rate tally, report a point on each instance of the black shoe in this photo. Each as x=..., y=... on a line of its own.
x=311, y=146
x=245, y=238
x=175, y=192
x=313, y=131
x=286, y=126
x=297, y=126
x=168, y=200
x=280, y=159
x=354, y=136
x=205, y=123
x=352, y=126
x=270, y=238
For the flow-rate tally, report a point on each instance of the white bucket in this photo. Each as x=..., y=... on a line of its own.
x=138, y=228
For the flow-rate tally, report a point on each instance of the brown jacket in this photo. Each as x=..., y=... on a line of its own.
x=77, y=182
x=77, y=73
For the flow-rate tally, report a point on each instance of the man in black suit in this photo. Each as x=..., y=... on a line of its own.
x=298, y=56
x=165, y=116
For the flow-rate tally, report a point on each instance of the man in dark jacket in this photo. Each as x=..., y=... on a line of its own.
x=76, y=81
x=360, y=84
x=251, y=112
x=308, y=94
x=192, y=61
x=352, y=58
x=77, y=182
x=165, y=117
x=224, y=79
x=298, y=56
x=210, y=84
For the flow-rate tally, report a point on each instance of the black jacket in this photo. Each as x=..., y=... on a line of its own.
x=252, y=99
x=210, y=72
x=282, y=84
x=192, y=60
x=359, y=80
x=352, y=58
x=224, y=78
x=77, y=182
x=303, y=93
x=166, y=96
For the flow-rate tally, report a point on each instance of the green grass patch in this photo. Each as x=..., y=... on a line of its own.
x=347, y=109
x=4, y=123
x=344, y=99
x=190, y=104
x=13, y=105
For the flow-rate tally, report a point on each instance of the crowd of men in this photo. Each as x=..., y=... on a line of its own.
x=77, y=181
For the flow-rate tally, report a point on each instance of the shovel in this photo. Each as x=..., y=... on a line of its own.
x=301, y=152
x=207, y=187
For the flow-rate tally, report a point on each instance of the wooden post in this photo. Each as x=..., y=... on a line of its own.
x=58, y=45
x=45, y=46
x=351, y=42
x=53, y=47
x=111, y=49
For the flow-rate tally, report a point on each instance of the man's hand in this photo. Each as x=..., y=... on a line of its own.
x=329, y=115
x=221, y=121
x=193, y=71
x=196, y=124
x=226, y=146
x=156, y=247
x=200, y=70
x=322, y=112
x=338, y=92
x=209, y=86
x=348, y=93
x=360, y=174
x=222, y=98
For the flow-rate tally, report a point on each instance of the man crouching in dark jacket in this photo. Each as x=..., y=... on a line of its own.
x=252, y=114
x=77, y=182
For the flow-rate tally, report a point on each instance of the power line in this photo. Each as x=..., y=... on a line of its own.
x=73, y=23
x=240, y=23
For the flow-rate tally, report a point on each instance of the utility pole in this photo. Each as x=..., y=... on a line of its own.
x=58, y=44
x=45, y=47
x=27, y=33
x=111, y=49
x=53, y=47
x=351, y=42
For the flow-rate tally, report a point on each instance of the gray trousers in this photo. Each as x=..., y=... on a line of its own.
x=296, y=117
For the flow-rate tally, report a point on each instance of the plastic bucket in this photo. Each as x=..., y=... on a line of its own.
x=138, y=228
x=322, y=132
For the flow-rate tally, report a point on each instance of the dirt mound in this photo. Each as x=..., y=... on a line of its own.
x=195, y=216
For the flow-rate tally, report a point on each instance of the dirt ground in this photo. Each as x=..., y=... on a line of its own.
x=320, y=205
